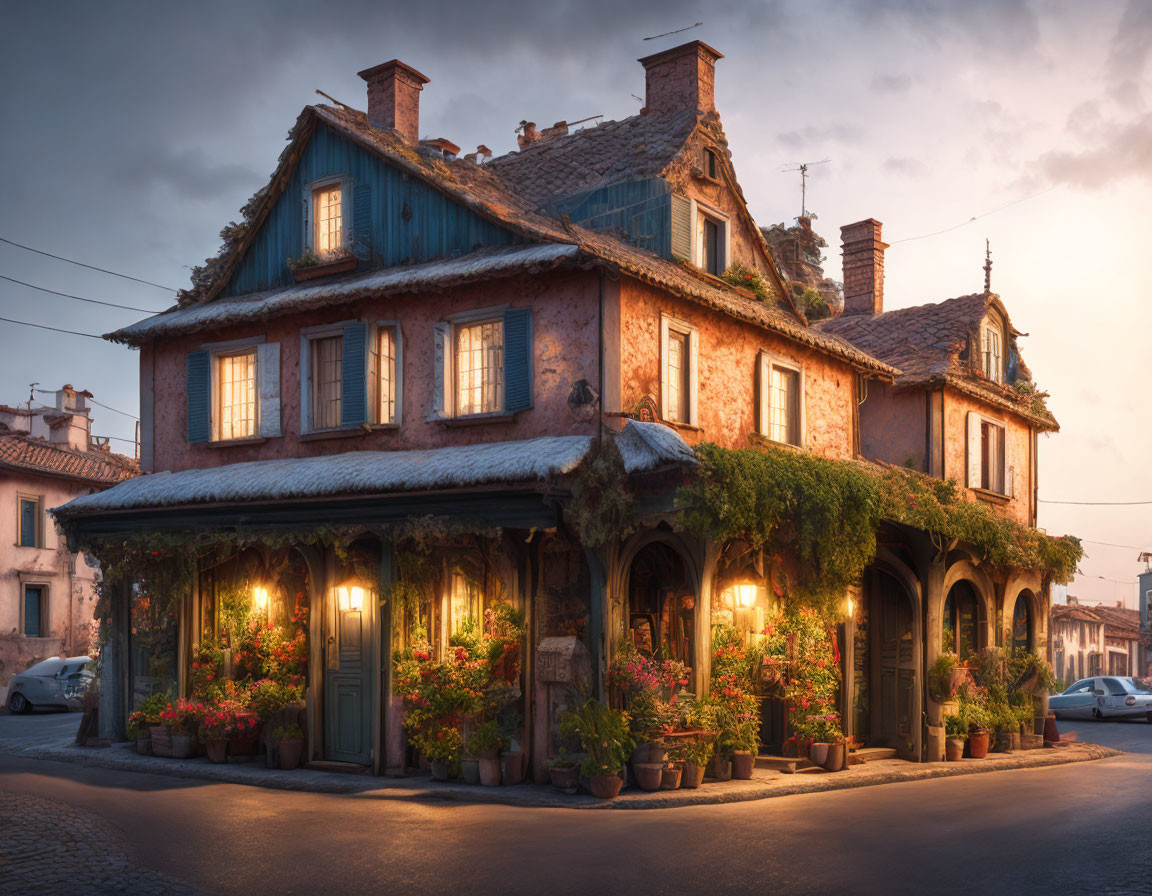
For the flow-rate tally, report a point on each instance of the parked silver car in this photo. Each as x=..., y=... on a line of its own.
x=58, y=681
x=1104, y=697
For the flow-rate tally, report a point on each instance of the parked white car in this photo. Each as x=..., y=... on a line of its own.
x=58, y=681
x=1105, y=697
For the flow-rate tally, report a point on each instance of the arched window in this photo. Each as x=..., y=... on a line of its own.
x=961, y=621
x=1022, y=623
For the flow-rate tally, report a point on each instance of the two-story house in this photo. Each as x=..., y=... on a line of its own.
x=47, y=593
x=402, y=356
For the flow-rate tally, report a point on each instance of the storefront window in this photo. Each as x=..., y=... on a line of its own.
x=467, y=602
x=961, y=629
x=1022, y=624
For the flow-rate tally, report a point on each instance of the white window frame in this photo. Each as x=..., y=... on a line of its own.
x=668, y=325
x=976, y=458
x=375, y=371
x=993, y=326
x=445, y=401
x=700, y=212
x=309, y=198
x=307, y=335
x=768, y=360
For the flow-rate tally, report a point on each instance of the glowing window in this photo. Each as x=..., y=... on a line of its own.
x=327, y=381
x=783, y=405
x=386, y=349
x=328, y=232
x=236, y=396
x=480, y=368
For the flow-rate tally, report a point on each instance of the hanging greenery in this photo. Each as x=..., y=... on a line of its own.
x=601, y=503
x=827, y=512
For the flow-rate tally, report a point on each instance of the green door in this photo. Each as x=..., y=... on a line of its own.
x=347, y=687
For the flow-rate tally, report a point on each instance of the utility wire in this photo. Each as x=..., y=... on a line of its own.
x=90, y=267
x=125, y=413
x=77, y=298
x=1001, y=208
x=1096, y=503
x=25, y=323
x=1108, y=544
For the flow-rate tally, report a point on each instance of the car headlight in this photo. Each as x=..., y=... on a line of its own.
x=1131, y=701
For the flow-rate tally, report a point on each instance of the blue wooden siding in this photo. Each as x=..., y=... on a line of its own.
x=435, y=226
x=638, y=210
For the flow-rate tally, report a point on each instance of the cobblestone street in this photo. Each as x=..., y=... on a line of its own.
x=48, y=847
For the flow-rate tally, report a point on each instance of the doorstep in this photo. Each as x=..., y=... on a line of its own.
x=765, y=783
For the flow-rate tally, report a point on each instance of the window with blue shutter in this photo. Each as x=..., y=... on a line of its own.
x=517, y=360
x=354, y=379
x=33, y=610
x=681, y=213
x=362, y=222
x=198, y=384
x=28, y=516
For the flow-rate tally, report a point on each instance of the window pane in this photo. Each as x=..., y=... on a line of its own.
x=465, y=602
x=677, y=377
x=327, y=358
x=236, y=409
x=784, y=405
x=27, y=524
x=480, y=368
x=329, y=228
x=33, y=607
x=387, y=355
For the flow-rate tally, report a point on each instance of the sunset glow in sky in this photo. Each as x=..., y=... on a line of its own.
x=134, y=133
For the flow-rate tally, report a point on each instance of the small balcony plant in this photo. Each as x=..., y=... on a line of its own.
x=311, y=264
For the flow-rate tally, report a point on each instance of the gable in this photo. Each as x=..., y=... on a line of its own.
x=406, y=221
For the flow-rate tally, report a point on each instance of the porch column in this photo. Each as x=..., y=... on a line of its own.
x=115, y=684
x=385, y=715
x=933, y=583
x=598, y=623
x=702, y=674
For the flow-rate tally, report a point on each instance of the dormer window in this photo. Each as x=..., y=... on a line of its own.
x=993, y=348
x=711, y=242
x=711, y=164
x=328, y=235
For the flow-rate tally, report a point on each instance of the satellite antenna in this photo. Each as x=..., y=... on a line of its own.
x=802, y=167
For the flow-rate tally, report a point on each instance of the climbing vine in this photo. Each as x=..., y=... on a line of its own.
x=601, y=504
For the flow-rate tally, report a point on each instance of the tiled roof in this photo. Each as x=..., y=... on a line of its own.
x=1119, y=622
x=635, y=148
x=22, y=452
x=925, y=342
x=481, y=190
x=1073, y=613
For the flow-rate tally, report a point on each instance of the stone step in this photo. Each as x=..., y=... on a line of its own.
x=875, y=754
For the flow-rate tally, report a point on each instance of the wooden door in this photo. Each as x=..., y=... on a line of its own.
x=893, y=696
x=347, y=685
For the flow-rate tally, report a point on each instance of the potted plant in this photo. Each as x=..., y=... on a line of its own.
x=484, y=744
x=955, y=736
x=289, y=740
x=694, y=757
x=945, y=677
x=564, y=773
x=267, y=700
x=973, y=712
x=310, y=264
x=745, y=743
x=672, y=775
x=215, y=728
x=605, y=737
x=138, y=730
x=182, y=720
x=828, y=748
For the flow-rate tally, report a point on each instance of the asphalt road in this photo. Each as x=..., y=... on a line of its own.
x=1081, y=828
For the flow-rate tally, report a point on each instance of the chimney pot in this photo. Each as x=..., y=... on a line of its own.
x=863, y=267
x=682, y=78
x=394, y=98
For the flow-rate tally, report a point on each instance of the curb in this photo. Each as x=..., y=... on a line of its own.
x=764, y=786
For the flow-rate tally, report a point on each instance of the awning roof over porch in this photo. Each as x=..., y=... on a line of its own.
x=643, y=446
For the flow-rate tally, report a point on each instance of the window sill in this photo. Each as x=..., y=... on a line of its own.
x=758, y=438
x=683, y=427
x=228, y=443
x=990, y=496
x=352, y=432
x=476, y=419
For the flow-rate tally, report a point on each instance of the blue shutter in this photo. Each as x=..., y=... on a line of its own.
x=32, y=611
x=353, y=376
x=681, y=214
x=517, y=359
x=27, y=524
x=198, y=386
x=362, y=222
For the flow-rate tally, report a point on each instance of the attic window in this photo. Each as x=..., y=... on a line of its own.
x=711, y=165
x=993, y=351
x=329, y=232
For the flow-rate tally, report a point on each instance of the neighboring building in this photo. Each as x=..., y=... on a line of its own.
x=1144, y=592
x=47, y=457
x=493, y=326
x=1098, y=641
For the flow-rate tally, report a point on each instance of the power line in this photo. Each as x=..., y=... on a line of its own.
x=1096, y=503
x=909, y=239
x=125, y=413
x=25, y=323
x=90, y=267
x=77, y=298
x=1108, y=544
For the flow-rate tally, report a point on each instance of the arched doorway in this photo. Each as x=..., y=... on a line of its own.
x=662, y=604
x=1023, y=628
x=887, y=704
x=961, y=622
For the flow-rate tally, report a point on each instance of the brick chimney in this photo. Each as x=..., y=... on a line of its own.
x=394, y=98
x=863, y=267
x=681, y=78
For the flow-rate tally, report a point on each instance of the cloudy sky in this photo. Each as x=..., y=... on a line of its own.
x=134, y=131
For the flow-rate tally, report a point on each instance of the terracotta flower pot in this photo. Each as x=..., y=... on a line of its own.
x=470, y=771
x=691, y=775
x=217, y=749
x=978, y=744
x=144, y=744
x=490, y=772
x=649, y=751
x=513, y=767
x=803, y=747
x=605, y=787
x=161, y=740
x=837, y=753
x=818, y=754
x=720, y=768
x=1003, y=742
x=243, y=742
x=743, y=762
x=670, y=779
x=565, y=778
x=648, y=775
x=289, y=752
x=439, y=769
x=954, y=749
x=183, y=746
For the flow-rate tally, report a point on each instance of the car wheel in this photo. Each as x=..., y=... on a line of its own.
x=1149, y=715
x=19, y=704
x=1097, y=716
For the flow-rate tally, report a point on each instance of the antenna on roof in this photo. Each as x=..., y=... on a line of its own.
x=31, y=394
x=987, y=266
x=336, y=101
x=677, y=31
x=802, y=167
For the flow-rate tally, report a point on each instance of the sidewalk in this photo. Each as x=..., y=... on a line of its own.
x=764, y=784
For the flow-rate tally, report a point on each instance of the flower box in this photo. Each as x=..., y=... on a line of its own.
x=339, y=266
